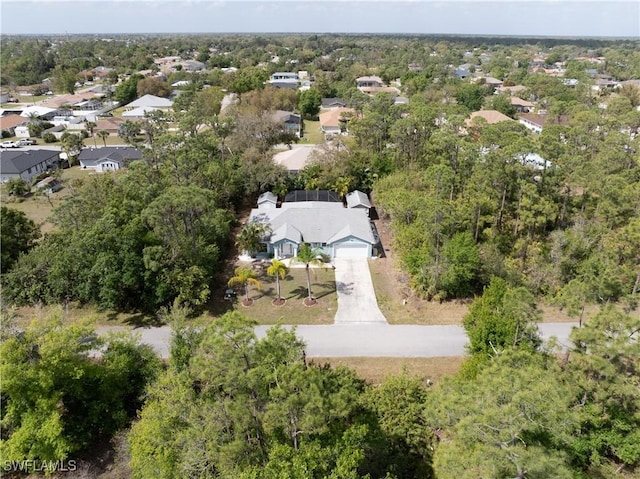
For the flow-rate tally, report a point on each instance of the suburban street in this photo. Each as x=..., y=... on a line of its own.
x=364, y=339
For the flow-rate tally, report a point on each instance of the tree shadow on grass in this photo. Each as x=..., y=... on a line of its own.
x=140, y=320
x=300, y=292
x=327, y=288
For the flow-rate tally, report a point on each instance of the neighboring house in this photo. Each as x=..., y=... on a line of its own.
x=139, y=112
x=290, y=122
x=333, y=103
x=108, y=158
x=284, y=80
x=57, y=131
x=336, y=120
x=511, y=90
x=42, y=112
x=192, y=66
x=536, y=122
x=110, y=124
x=462, y=71
x=296, y=158
x=370, y=85
x=488, y=81
x=490, y=116
x=8, y=123
x=368, y=82
x=360, y=200
x=150, y=101
x=49, y=185
x=328, y=226
x=521, y=106
x=26, y=164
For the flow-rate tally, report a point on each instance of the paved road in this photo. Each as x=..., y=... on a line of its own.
x=366, y=339
x=356, y=296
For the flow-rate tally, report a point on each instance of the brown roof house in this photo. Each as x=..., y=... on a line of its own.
x=536, y=122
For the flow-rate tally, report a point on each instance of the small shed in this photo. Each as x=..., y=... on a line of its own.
x=49, y=185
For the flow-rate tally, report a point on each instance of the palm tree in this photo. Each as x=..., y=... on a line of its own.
x=279, y=270
x=90, y=126
x=309, y=256
x=103, y=134
x=244, y=277
x=248, y=240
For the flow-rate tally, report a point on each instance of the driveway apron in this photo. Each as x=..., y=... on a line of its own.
x=356, y=297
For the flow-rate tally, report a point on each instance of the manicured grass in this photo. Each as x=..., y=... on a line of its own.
x=294, y=291
x=375, y=370
x=111, y=140
x=312, y=133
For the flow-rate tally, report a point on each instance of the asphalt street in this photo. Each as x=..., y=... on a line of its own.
x=364, y=339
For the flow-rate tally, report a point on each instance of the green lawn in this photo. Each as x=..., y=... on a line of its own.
x=294, y=291
x=312, y=133
x=110, y=140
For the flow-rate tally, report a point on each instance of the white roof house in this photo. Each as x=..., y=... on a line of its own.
x=36, y=110
x=328, y=226
x=150, y=101
x=139, y=112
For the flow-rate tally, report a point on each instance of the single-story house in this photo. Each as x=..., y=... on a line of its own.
x=26, y=164
x=358, y=199
x=150, y=101
x=490, y=116
x=49, y=185
x=296, y=158
x=8, y=123
x=336, y=120
x=110, y=124
x=328, y=226
x=289, y=121
x=333, y=103
x=536, y=122
x=139, y=112
x=369, y=81
x=521, y=106
x=57, y=131
x=511, y=90
x=108, y=158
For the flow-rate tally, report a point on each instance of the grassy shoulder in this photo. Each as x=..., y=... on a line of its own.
x=375, y=370
x=400, y=305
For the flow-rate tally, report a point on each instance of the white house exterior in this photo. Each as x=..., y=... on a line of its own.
x=109, y=158
x=327, y=226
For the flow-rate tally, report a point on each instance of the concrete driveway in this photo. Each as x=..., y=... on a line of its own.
x=356, y=297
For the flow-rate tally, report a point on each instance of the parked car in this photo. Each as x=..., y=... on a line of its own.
x=25, y=142
x=8, y=144
x=12, y=100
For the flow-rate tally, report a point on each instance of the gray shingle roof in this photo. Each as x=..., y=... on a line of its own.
x=358, y=198
x=93, y=156
x=315, y=222
x=15, y=162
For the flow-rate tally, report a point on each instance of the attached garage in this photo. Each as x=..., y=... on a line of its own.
x=352, y=250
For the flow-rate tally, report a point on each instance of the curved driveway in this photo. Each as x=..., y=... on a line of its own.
x=366, y=339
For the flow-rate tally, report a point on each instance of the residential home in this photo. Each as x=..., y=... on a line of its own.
x=327, y=225
x=150, y=101
x=267, y=200
x=110, y=124
x=290, y=122
x=26, y=164
x=285, y=80
x=296, y=158
x=490, y=116
x=336, y=120
x=463, y=71
x=108, y=158
x=536, y=122
x=521, y=106
x=333, y=103
x=138, y=113
x=8, y=123
x=57, y=131
x=193, y=66
x=42, y=112
x=511, y=90
x=369, y=82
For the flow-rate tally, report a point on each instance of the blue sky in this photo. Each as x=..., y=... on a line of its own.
x=485, y=17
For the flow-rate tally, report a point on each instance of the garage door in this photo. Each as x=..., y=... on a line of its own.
x=351, y=250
